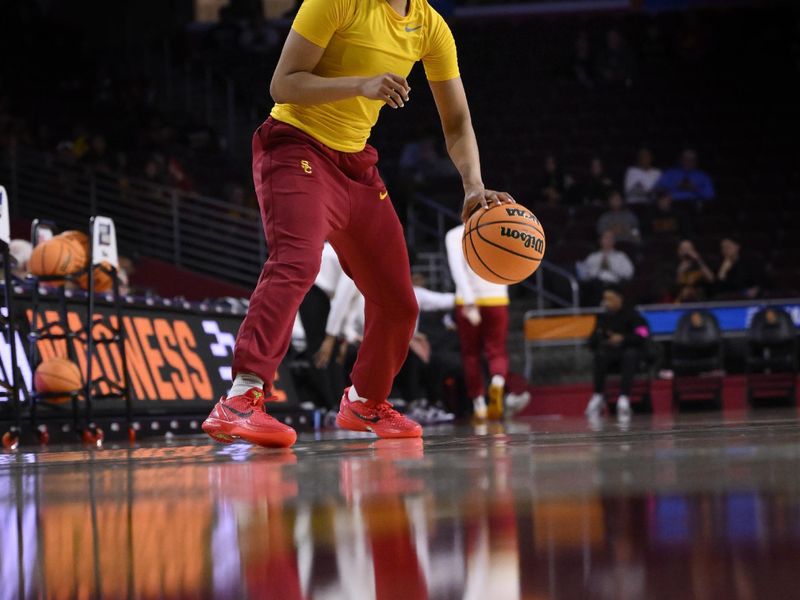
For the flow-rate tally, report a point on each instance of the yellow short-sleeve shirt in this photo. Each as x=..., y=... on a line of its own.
x=364, y=38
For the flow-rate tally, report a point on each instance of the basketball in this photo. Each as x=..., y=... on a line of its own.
x=78, y=236
x=57, y=375
x=58, y=256
x=102, y=280
x=504, y=244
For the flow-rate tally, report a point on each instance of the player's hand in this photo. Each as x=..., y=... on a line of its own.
x=472, y=314
x=389, y=88
x=342, y=354
x=323, y=356
x=480, y=197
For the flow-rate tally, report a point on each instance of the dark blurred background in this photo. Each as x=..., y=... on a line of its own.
x=145, y=110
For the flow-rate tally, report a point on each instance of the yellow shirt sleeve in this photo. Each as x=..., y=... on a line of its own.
x=441, y=59
x=318, y=20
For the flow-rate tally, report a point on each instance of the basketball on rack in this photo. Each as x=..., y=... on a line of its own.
x=102, y=280
x=57, y=375
x=59, y=256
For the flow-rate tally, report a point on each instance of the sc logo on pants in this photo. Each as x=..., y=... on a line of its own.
x=306, y=166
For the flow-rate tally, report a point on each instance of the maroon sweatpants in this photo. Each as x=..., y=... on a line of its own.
x=488, y=338
x=309, y=193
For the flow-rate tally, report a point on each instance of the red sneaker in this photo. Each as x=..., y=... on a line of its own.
x=244, y=417
x=377, y=417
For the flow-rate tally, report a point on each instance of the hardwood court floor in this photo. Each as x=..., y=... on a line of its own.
x=702, y=506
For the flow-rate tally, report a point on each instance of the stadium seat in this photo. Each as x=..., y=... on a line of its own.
x=697, y=359
x=771, y=356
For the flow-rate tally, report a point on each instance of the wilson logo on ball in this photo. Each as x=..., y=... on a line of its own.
x=517, y=212
x=530, y=241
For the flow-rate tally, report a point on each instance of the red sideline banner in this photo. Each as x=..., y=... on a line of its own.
x=178, y=361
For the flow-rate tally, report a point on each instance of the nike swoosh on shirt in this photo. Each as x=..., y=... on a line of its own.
x=410, y=29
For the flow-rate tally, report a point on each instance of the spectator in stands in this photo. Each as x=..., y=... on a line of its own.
x=97, y=157
x=154, y=170
x=692, y=275
x=687, y=183
x=734, y=278
x=604, y=267
x=594, y=190
x=617, y=341
x=582, y=61
x=554, y=183
x=619, y=220
x=641, y=179
x=177, y=176
x=614, y=64
x=663, y=220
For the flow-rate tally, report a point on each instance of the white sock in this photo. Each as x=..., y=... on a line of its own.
x=499, y=381
x=479, y=403
x=353, y=396
x=243, y=382
x=624, y=400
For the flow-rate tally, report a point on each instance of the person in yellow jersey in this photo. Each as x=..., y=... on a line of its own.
x=316, y=179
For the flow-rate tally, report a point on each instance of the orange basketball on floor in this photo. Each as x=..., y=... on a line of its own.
x=58, y=256
x=57, y=375
x=504, y=244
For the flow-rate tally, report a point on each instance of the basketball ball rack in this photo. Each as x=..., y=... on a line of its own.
x=102, y=257
x=10, y=375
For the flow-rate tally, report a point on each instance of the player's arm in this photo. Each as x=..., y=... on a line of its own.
x=295, y=82
x=451, y=102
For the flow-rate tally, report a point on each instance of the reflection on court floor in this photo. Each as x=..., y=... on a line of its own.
x=702, y=507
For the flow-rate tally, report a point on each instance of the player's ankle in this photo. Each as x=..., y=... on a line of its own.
x=498, y=381
x=352, y=395
x=244, y=382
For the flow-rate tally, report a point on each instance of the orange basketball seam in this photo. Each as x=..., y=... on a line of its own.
x=49, y=375
x=488, y=268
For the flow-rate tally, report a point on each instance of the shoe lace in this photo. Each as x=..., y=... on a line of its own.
x=387, y=411
x=257, y=399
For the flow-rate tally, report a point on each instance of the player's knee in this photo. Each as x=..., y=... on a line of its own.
x=406, y=309
x=304, y=269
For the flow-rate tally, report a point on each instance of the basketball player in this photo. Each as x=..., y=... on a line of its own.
x=316, y=179
x=482, y=320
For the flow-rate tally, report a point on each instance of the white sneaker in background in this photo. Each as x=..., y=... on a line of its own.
x=595, y=407
x=479, y=408
x=515, y=403
x=436, y=414
x=624, y=411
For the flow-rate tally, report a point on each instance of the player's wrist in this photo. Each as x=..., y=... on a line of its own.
x=472, y=187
